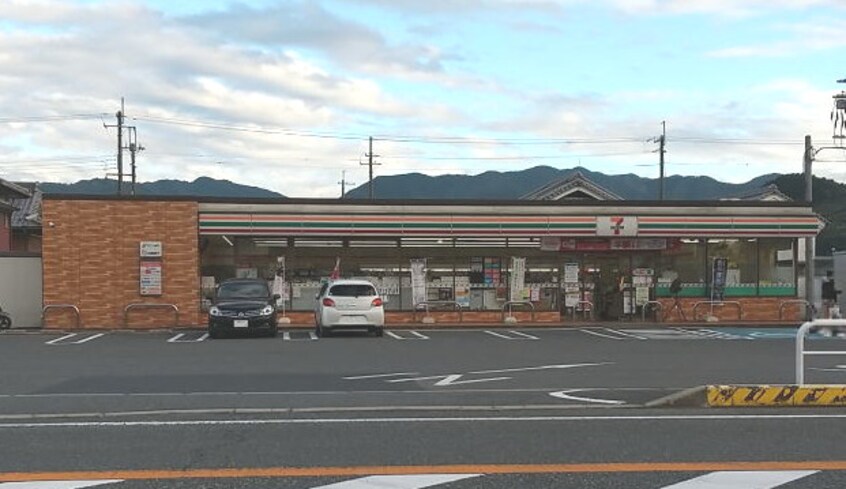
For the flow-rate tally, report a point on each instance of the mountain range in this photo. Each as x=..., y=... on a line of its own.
x=829, y=196
x=201, y=187
x=493, y=185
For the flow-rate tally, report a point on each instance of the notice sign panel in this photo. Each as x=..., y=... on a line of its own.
x=151, y=278
x=150, y=249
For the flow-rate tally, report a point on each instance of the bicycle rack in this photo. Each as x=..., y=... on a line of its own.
x=810, y=310
x=138, y=305
x=719, y=303
x=515, y=303
x=584, y=310
x=427, y=304
x=48, y=307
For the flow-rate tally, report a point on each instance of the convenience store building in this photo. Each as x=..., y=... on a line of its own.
x=104, y=254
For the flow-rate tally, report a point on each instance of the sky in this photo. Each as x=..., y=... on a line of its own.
x=286, y=94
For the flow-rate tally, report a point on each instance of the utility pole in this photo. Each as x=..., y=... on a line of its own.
x=133, y=147
x=370, y=164
x=661, y=153
x=661, y=140
x=120, y=148
x=344, y=183
x=120, y=116
x=807, y=162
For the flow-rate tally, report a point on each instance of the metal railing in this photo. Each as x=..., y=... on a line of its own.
x=810, y=310
x=719, y=304
x=517, y=303
x=800, y=344
x=584, y=310
x=428, y=304
x=139, y=305
x=646, y=305
x=72, y=307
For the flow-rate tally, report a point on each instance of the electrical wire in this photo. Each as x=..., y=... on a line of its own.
x=50, y=118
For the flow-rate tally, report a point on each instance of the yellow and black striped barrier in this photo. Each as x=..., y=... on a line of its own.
x=776, y=395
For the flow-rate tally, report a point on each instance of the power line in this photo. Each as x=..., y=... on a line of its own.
x=50, y=118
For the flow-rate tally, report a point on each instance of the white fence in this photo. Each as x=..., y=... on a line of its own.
x=21, y=289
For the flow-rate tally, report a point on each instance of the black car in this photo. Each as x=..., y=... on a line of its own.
x=243, y=305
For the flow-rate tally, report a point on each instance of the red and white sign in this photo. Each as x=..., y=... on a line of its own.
x=151, y=278
x=616, y=225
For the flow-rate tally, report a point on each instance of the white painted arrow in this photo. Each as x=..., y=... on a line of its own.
x=449, y=379
x=56, y=484
x=542, y=367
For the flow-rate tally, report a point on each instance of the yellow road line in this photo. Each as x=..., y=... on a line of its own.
x=221, y=473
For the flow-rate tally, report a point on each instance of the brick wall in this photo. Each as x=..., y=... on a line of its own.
x=754, y=309
x=5, y=232
x=90, y=259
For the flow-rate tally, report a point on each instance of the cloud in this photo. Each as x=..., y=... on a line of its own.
x=803, y=38
x=62, y=58
x=308, y=25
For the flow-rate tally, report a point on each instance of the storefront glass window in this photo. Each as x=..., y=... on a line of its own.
x=776, y=267
x=541, y=283
x=742, y=273
x=683, y=259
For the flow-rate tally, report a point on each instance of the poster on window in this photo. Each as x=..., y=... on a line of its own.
x=518, y=277
x=718, y=278
x=418, y=281
x=279, y=285
x=151, y=278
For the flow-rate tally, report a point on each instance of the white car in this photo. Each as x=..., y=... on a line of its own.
x=349, y=304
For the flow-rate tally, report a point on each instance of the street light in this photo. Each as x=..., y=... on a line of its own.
x=838, y=117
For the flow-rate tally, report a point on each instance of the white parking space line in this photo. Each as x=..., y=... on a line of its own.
x=742, y=480
x=512, y=335
x=525, y=335
x=596, y=333
x=406, y=335
x=61, y=340
x=398, y=481
x=312, y=336
x=56, y=484
x=624, y=334
x=178, y=338
x=725, y=336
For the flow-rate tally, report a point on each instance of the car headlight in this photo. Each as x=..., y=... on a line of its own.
x=267, y=311
x=214, y=311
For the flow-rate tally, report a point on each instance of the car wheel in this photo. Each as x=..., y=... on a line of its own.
x=379, y=332
x=5, y=322
x=274, y=331
x=215, y=334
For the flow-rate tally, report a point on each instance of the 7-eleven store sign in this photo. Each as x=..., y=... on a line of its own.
x=616, y=225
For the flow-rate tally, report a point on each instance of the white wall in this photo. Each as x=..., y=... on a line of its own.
x=840, y=277
x=20, y=290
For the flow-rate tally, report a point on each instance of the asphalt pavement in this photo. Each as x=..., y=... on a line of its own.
x=504, y=407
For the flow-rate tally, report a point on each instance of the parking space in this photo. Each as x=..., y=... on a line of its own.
x=594, y=333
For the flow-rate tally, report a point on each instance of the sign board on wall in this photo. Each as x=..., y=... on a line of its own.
x=151, y=277
x=616, y=225
x=150, y=249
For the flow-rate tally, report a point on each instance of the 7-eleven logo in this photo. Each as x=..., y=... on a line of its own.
x=616, y=226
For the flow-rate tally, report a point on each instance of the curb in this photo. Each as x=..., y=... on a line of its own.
x=692, y=397
x=790, y=395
